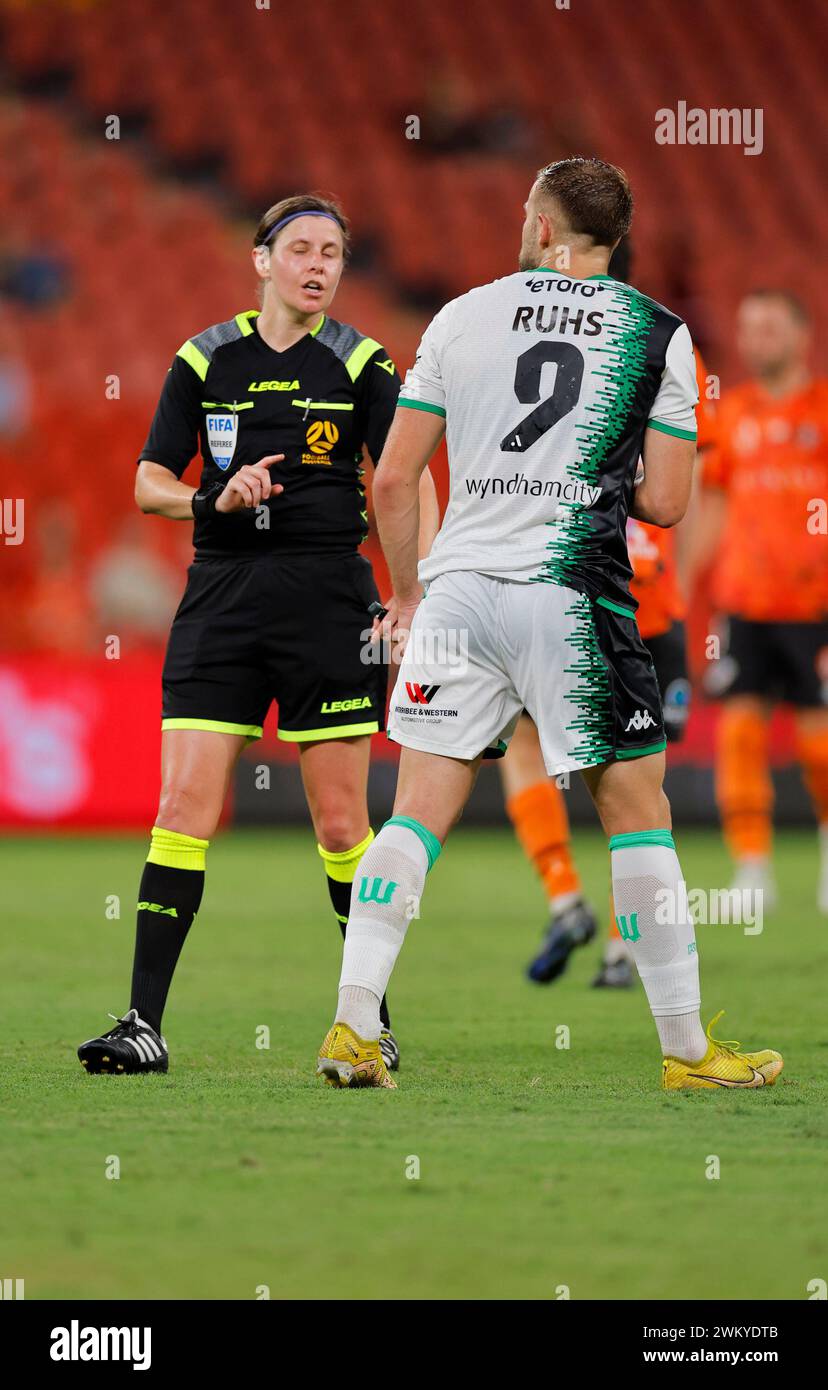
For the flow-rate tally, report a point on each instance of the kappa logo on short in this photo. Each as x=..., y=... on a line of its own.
x=222, y=432
x=642, y=719
x=421, y=694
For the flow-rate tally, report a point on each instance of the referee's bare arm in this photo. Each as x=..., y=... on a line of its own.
x=159, y=492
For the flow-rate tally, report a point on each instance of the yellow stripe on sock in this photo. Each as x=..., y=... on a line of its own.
x=177, y=851
x=341, y=865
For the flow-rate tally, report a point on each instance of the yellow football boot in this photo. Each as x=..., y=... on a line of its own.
x=722, y=1065
x=347, y=1060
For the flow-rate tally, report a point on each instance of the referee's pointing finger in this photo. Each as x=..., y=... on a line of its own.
x=268, y=487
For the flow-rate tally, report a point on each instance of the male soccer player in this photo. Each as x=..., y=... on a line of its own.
x=536, y=805
x=765, y=486
x=280, y=402
x=550, y=386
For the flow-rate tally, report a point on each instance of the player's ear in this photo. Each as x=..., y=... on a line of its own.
x=261, y=260
x=545, y=230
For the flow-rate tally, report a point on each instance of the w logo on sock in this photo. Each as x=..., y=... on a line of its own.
x=376, y=890
x=628, y=927
x=421, y=694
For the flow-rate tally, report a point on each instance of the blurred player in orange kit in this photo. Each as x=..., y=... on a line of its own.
x=534, y=803
x=763, y=507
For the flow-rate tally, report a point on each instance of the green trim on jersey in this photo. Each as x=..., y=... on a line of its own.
x=358, y=359
x=624, y=364
x=615, y=607
x=319, y=326
x=233, y=406
x=671, y=429
x=631, y=838
x=590, y=691
x=421, y=405
x=194, y=358
x=325, y=405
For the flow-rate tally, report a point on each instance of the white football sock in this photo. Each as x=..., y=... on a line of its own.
x=359, y=1008
x=652, y=916
x=386, y=893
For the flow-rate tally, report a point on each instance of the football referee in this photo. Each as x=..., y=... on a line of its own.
x=279, y=402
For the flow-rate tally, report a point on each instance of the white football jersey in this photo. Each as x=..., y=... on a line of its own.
x=548, y=384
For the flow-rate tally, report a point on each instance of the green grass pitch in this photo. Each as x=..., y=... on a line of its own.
x=540, y=1167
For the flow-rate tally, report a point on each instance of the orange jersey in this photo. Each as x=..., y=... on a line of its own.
x=771, y=459
x=652, y=552
x=652, y=549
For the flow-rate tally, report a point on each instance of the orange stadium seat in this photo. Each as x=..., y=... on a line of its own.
x=215, y=94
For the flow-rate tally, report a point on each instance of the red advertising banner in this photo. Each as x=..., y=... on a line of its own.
x=79, y=741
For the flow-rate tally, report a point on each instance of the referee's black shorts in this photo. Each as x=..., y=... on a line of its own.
x=287, y=628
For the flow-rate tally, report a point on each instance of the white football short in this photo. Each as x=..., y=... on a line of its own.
x=483, y=649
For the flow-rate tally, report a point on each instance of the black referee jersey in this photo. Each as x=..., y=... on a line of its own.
x=234, y=399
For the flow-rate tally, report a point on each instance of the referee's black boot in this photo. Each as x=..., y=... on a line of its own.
x=390, y=1049
x=132, y=1045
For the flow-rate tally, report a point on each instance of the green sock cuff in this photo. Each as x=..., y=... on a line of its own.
x=643, y=837
x=430, y=842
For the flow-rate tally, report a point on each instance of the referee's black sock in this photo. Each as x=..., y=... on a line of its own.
x=168, y=899
x=340, y=869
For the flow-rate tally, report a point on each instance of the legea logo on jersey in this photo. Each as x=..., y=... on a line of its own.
x=222, y=431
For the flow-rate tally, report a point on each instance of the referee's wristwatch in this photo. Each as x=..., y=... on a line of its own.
x=204, y=501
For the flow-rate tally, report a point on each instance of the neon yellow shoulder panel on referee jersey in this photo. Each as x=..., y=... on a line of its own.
x=198, y=352
x=352, y=348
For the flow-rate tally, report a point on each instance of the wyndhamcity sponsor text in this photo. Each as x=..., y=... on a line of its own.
x=519, y=484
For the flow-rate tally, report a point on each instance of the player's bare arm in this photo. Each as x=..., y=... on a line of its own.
x=662, y=496
x=429, y=526
x=429, y=514
x=412, y=440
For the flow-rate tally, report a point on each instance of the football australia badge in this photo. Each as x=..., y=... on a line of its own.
x=222, y=430
x=320, y=439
